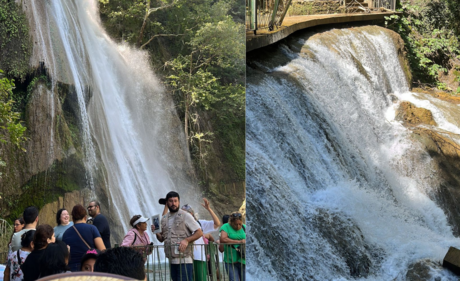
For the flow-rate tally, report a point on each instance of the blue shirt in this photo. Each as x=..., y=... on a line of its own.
x=60, y=229
x=77, y=247
x=102, y=225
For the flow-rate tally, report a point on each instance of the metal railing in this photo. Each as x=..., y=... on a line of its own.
x=269, y=14
x=386, y=4
x=262, y=14
x=157, y=267
x=5, y=235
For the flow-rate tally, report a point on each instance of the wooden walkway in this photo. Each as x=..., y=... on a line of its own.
x=264, y=37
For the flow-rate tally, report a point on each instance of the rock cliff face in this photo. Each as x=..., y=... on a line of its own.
x=51, y=165
x=48, y=212
x=442, y=147
x=439, y=144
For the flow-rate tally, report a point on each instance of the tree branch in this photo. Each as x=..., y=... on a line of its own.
x=146, y=16
x=160, y=35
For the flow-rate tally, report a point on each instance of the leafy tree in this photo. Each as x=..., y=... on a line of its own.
x=199, y=47
x=216, y=48
x=11, y=128
x=430, y=30
x=15, y=44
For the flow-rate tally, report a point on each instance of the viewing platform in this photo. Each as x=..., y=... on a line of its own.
x=264, y=37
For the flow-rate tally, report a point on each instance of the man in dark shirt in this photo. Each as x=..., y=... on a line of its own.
x=99, y=221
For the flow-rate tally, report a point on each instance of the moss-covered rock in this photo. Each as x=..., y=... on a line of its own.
x=47, y=186
x=15, y=43
x=52, y=164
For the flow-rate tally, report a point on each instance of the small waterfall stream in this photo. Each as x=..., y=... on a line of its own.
x=334, y=192
x=127, y=120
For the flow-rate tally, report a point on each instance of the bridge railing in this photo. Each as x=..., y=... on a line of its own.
x=158, y=267
x=386, y=4
x=5, y=235
x=269, y=14
x=265, y=14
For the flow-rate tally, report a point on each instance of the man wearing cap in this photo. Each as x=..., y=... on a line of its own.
x=178, y=230
x=100, y=222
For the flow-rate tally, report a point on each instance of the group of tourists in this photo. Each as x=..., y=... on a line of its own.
x=180, y=227
x=83, y=244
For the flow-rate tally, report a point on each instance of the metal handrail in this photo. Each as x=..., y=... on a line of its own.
x=265, y=14
x=269, y=14
x=157, y=266
x=5, y=234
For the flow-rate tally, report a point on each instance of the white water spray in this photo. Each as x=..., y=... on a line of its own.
x=331, y=192
x=127, y=119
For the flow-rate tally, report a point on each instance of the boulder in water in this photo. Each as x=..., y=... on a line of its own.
x=412, y=115
x=422, y=271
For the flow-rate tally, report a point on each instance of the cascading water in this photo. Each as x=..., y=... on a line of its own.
x=126, y=118
x=332, y=191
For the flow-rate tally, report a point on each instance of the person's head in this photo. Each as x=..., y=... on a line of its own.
x=173, y=201
x=27, y=238
x=78, y=213
x=94, y=208
x=62, y=217
x=122, y=261
x=225, y=218
x=88, y=260
x=138, y=222
x=54, y=259
x=190, y=210
x=43, y=236
x=19, y=224
x=30, y=215
x=236, y=221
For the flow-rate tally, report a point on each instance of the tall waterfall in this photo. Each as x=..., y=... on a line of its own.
x=127, y=120
x=334, y=192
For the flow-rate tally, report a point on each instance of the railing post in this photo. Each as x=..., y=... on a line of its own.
x=286, y=8
x=212, y=254
x=272, y=21
x=253, y=10
x=147, y=257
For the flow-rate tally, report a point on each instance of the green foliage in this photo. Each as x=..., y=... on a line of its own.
x=11, y=128
x=430, y=31
x=15, y=45
x=199, y=45
x=207, y=79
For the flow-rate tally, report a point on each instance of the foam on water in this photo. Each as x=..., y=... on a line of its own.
x=329, y=167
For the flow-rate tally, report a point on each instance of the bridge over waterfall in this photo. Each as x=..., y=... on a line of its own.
x=268, y=21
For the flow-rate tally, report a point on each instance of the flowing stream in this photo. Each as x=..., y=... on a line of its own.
x=337, y=188
x=127, y=120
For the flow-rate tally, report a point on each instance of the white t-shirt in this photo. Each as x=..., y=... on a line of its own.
x=16, y=240
x=192, y=225
x=199, y=253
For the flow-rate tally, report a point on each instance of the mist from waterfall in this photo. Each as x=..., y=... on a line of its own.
x=127, y=120
x=333, y=190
